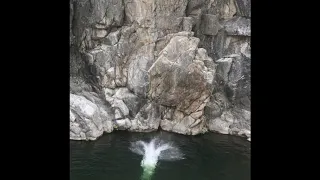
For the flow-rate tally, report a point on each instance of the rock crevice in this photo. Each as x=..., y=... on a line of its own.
x=179, y=65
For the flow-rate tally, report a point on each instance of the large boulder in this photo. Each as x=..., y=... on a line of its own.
x=85, y=120
x=180, y=80
x=90, y=116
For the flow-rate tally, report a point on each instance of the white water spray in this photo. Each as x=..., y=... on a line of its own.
x=152, y=152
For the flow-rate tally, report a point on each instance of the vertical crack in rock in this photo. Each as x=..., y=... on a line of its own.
x=149, y=64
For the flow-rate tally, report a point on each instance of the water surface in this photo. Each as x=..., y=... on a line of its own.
x=206, y=157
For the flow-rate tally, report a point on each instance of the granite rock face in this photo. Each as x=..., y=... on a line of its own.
x=88, y=120
x=179, y=65
x=180, y=81
x=232, y=98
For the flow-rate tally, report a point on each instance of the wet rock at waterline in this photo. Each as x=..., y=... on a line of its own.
x=228, y=111
x=88, y=121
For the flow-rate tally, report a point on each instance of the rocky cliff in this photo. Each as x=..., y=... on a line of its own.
x=140, y=65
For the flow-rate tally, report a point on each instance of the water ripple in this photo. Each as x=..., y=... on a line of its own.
x=209, y=156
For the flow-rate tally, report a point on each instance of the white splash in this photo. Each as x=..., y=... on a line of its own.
x=152, y=152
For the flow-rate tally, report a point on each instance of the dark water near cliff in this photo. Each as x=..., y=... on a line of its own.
x=207, y=157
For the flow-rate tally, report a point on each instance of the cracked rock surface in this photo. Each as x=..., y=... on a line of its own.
x=179, y=65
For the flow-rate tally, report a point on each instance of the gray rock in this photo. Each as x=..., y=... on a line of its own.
x=187, y=89
x=99, y=33
x=190, y=126
x=242, y=118
x=139, y=11
x=112, y=38
x=147, y=120
x=120, y=105
x=124, y=103
x=227, y=116
x=166, y=125
x=88, y=119
x=90, y=22
x=138, y=80
x=238, y=26
x=132, y=101
x=122, y=124
x=108, y=92
x=243, y=7
x=180, y=123
x=210, y=24
x=77, y=85
x=72, y=117
x=193, y=6
x=233, y=121
x=178, y=64
x=167, y=13
x=96, y=14
x=217, y=104
x=188, y=24
x=104, y=107
x=223, y=68
x=245, y=132
x=239, y=85
x=236, y=45
x=169, y=78
x=163, y=15
x=234, y=79
x=226, y=9
x=100, y=63
x=118, y=114
x=208, y=61
x=127, y=42
x=219, y=125
x=222, y=123
x=75, y=129
x=162, y=42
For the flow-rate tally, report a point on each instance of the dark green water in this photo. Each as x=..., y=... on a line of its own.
x=207, y=157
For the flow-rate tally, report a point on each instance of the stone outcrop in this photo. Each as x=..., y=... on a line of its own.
x=88, y=120
x=180, y=81
x=178, y=65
